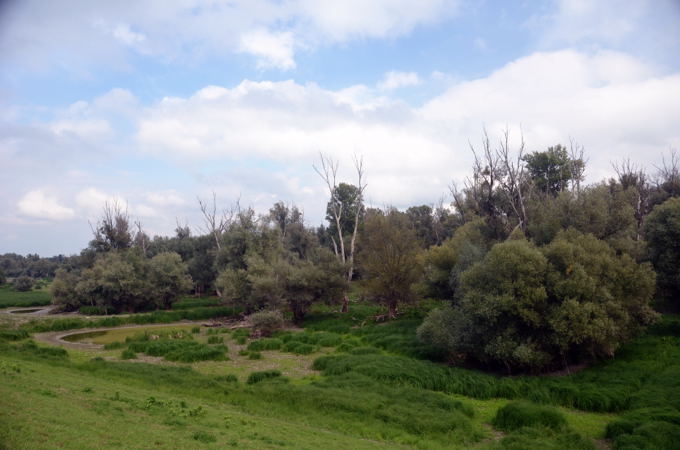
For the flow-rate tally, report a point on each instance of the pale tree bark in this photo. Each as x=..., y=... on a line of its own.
x=578, y=165
x=328, y=172
x=633, y=176
x=215, y=223
x=514, y=178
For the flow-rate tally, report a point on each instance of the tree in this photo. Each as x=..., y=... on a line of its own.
x=551, y=171
x=662, y=230
x=442, y=265
x=531, y=309
x=344, y=210
x=168, y=278
x=389, y=259
x=23, y=283
x=112, y=231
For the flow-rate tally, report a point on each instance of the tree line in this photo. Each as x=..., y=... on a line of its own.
x=537, y=270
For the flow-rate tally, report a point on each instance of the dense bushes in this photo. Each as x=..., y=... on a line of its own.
x=529, y=308
x=123, y=281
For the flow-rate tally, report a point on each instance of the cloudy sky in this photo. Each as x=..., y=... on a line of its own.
x=156, y=103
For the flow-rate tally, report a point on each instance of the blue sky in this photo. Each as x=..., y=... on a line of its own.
x=156, y=103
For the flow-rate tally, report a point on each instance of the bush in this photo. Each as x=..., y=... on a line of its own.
x=266, y=322
x=23, y=283
x=520, y=414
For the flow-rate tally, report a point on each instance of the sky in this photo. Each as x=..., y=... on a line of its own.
x=155, y=104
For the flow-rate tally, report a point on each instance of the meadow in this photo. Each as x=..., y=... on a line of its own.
x=342, y=381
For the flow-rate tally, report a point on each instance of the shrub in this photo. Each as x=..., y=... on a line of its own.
x=520, y=414
x=23, y=283
x=266, y=322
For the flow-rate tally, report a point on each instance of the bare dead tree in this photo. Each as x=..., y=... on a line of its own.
x=328, y=172
x=577, y=165
x=488, y=171
x=359, y=166
x=112, y=231
x=514, y=178
x=215, y=224
x=141, y=238
x=632, y=176
x=668, y=174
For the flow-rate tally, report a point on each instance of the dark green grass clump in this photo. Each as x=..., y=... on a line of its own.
x=646, y=428
x=520, y=414
x=265, y=344
x=13, y=335
x=186, y=351
x=530, y=438
x=257, y=377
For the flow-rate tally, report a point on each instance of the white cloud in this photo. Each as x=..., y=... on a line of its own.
x=93, y=200
x=613, y=104
x=72, y=38
x=271, y=49
x=127, y=36
x=38, y=205
x=166, y=198
x=395, y=80
x=87, y=128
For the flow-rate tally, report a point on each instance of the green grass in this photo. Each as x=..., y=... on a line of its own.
x=343, y=382
x=11, y=298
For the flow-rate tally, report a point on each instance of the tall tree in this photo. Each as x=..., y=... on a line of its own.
x=552, y=170
x=389, y=259
x=663, y=238
x=342, y=207
x=112, y=231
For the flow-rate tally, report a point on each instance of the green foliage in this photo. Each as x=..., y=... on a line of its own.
x=520, y=414
x=552, y=170
x=389, y=259
x=23, y=283
x=539, y=438
x=10, y=297
x=265, y=344
x=663, y=238
x=123, y=281
x=443, y=264
x=530, y=309
x=13, y=334
x=257, y=377
x=266, y=322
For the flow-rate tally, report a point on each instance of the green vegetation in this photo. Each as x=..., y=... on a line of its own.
x=370, y=397
x=9, y=297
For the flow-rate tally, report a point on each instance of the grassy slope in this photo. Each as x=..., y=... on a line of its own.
x=77, y=403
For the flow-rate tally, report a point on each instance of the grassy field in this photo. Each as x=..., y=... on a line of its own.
x=37, y=297
x=342, y=382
